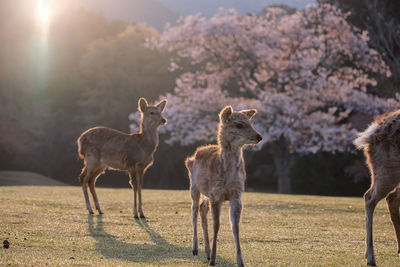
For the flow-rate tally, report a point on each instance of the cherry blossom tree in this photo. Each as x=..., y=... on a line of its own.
x=306, y=72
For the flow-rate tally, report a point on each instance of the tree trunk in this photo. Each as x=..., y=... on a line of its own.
x=281, y=159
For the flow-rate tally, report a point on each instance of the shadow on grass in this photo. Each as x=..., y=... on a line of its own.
x=110, y=247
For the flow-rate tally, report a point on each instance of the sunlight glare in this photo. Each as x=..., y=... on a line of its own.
x=43, y=13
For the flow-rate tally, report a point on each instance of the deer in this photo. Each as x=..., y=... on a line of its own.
x=104, y=148
x=380, y=143
x=217, y=173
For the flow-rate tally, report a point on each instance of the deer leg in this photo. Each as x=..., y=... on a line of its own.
x=235, y=211
x=91, y=165
x=372, y=197
x=85, y=192
x=215, y=211
x=139, y=178
x=393, y=202
x=133, y=183
x=370, y=204
x=82, y=175
x=195, y=194
x=83, y=179
x=204, y=223
x=92, y=183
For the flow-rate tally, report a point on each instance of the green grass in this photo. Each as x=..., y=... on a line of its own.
x=25, y=178
x=50, y=226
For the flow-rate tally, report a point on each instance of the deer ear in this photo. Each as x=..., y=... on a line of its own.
x=225, y=113
x=142, y=104
x=249, y=112
x=161, y=105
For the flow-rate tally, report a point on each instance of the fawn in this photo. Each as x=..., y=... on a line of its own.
x=218, y=173
x=103, y=148
x=381, y=145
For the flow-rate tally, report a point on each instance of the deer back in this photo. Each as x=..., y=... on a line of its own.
x=115, y=149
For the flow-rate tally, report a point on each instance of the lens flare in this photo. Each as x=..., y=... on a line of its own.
x=43, y=13
x=40, y=54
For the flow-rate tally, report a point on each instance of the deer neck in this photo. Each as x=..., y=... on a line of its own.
x=231, y=156
x=150, y=136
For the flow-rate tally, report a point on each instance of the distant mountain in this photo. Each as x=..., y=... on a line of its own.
x=157, y=13
x=151, y=12
x=210, y=7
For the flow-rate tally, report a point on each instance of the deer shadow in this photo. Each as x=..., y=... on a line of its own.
x=160, y=249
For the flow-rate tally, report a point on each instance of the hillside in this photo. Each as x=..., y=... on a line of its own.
x=50, y=226
x=9, y=178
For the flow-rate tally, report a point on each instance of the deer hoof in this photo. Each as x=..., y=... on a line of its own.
x=194, y=252
x=142, y=216
x=371, y=262
x=136, y=217
x=91, y=212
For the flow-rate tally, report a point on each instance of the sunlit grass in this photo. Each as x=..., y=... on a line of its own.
x=49, y=225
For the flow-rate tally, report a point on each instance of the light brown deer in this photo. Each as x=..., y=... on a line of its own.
x=217, y=172
x=103, y=148
x=381, y=145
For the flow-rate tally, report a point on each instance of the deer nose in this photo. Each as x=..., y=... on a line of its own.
x=259, y=138
x=164, y=121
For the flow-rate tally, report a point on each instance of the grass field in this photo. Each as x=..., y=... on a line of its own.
x=50, y=226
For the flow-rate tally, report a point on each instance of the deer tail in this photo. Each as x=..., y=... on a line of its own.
x=364, y=138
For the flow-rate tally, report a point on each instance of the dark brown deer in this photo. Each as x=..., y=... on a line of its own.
x=217, y=172
x=103, y=148
x=381, y=145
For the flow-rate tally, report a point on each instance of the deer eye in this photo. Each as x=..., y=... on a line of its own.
x=239, y=125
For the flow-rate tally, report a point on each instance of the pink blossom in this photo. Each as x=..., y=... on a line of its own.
x=305, y=73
